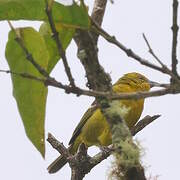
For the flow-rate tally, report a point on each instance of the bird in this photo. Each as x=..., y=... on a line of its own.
x=93, y=128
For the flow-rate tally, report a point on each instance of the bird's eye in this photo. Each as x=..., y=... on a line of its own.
x=142, y=78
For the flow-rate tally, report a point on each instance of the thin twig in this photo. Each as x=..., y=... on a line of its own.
x=173, y=76
x=50, y=81
x=143, y=123
x=113, y=96
x=128, y=51
x=29, y=56
x=152, y=52
x=24, y=75
x=140, y=95
x=58, y=146
x=58, y=43
x=102, y=155
x=174, y=28
x=155, y=84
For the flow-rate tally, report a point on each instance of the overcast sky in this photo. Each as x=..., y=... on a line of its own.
x=127, y=20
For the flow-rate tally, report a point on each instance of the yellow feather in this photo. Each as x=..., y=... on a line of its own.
x=93, y=129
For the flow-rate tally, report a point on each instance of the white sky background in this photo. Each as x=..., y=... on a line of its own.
x=127, y=20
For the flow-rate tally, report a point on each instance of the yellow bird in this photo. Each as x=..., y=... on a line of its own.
x=93, y=129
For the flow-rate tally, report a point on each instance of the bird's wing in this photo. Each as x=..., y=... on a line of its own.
x=83, y=121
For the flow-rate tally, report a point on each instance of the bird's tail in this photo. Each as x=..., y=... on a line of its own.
x=57, y=164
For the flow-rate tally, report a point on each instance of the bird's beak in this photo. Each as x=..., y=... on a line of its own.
x=154, y=84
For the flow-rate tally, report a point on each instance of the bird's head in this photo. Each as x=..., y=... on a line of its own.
x=137, y=81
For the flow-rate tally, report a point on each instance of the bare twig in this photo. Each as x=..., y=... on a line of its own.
x=175, y=29
x=50, y=81
x=58, y=43
x=24, y=75
x=140, y=95
x=155, y=84
x=143, y=123
x=98, y=14
x=102, y=155
x=152, y=52
x=58, y=146
x=113, y=96
x=29, y=56
x=173, y=76
x=128, y=51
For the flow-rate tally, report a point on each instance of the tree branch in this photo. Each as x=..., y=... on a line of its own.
x=175, y=29
x=29, y=56
x=58, y=42
x=50, y=81
x=143, y=123
x=129, y=52
x=24, y=75
x=172, y=89
x=87, y=53
x=173, y=76
x=81, y=162
x=97, y=15
x=58, y=146
x=100, y=81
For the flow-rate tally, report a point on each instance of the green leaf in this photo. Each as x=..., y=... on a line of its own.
x=30, y=95
x=71, y=16
x=65, y=35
